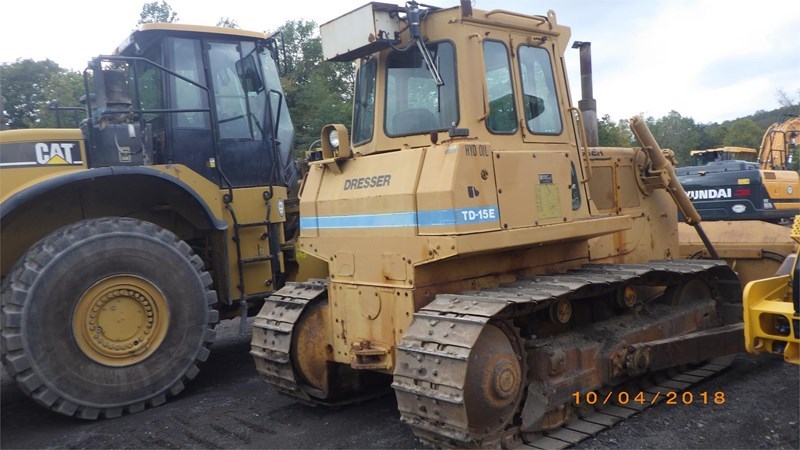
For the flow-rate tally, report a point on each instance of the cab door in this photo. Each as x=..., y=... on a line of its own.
x=244, y=129
x=539, y=182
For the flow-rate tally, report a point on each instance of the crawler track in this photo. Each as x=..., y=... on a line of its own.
x=652, y=391
x=431, y=373
x=432, y=379
x=272, y=335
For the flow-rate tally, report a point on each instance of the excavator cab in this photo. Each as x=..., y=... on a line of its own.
x=179, y=94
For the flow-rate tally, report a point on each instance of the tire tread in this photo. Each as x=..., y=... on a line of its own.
x=21, y=278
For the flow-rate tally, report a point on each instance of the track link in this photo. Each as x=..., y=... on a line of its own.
x=430, y=377
x=272, y=335
x=653, y=390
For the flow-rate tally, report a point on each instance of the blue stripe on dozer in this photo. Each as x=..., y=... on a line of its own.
x=432, y=218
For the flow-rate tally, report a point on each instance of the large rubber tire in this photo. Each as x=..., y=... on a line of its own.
x=56, y=291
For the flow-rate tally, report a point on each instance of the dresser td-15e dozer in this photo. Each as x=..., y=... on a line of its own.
x=481, y=255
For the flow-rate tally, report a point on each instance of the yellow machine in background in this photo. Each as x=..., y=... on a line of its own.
x=772, y=310
x=125, y=241
x=701, y=157
x=779, y=147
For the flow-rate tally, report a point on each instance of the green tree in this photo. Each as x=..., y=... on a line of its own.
x=317, y=92
x=717, y=135
x=613, y=134
x=227, y=22
x=28, y=88
x=65, y=90
x=673, y=131
x=157, y=12
x=744, y=133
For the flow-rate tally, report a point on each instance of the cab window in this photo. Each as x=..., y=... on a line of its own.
x=188, y=63
x=503, y=112
x=364, y=111
x=229, y=94
x=539, y=99
x=414, y=103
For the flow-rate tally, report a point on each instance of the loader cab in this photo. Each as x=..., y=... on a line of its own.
x=205, y=97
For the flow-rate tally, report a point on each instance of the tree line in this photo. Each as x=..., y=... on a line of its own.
x=682, y=134
x=319, y=92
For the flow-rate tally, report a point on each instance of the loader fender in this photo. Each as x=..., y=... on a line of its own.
x=91, y=175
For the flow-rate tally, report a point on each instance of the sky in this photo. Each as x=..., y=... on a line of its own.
x=712, y=60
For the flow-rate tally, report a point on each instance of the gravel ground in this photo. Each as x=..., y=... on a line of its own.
x=229, y=406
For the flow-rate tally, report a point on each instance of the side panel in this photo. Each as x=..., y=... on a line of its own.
x=457, y=191
x=783, y=188
x=29, y=156
x=743, y=194
x=370, y=197
x=534, y=188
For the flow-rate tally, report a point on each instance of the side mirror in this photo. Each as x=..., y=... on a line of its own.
x=248, y=74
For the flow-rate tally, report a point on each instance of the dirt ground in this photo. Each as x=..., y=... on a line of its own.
x=229, y=406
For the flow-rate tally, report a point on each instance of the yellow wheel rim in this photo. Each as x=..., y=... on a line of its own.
x=120, y=320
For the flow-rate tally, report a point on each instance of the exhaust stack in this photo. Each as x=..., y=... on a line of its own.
x=587, y=104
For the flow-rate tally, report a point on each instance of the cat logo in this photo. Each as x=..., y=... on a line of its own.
x=39, y=154
x=55, y=153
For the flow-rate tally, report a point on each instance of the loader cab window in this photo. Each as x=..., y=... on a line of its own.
x=540, y=101
x=414, y=103
x=503, y=111
x=229, y=97
x=188, y=63
x=364, y=108
x=151, y=92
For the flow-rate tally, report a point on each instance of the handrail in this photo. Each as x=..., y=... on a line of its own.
x=582, y=141
x=128, y=59
x=539, y=19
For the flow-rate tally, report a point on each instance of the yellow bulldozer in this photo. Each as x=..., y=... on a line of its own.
x=481, y=256
x=125, y=241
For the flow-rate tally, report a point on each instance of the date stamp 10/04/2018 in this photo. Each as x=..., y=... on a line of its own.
x=623, y=398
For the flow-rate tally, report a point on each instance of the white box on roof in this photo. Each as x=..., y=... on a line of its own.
x=360, y=32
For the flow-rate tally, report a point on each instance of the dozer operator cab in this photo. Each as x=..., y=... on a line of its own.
x=418, y=91
x=194, y=96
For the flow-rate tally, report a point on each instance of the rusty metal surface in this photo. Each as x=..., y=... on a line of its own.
x=684, y=349
x=435, y=384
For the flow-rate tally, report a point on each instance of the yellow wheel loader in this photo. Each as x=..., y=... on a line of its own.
x=125, y=241
x=483, y=259
x=772, y=310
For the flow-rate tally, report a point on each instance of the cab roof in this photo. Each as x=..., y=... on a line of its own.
x=153, y=28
